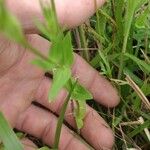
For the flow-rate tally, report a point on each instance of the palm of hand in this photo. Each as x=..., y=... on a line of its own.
x=19, y=79
x=21, y=83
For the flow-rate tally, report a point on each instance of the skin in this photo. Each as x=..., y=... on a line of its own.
x=22, y=83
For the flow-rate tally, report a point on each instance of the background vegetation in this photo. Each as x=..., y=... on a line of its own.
x=116, y=42
x=119, y=39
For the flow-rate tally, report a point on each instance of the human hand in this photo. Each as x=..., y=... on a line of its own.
x=22, y=83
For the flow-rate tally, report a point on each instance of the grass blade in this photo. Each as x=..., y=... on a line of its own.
x=138, y=91
x=9, y=25
x=8, y=137
x=139, y=62
x=61, y=118
x=129, y=16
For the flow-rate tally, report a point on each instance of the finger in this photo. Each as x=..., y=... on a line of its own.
x=28, y=144
x=94, y=126
x=70, y=13
x=103, y=92
x=42, y=124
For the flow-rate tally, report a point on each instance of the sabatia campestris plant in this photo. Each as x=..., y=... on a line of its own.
x=58, y=61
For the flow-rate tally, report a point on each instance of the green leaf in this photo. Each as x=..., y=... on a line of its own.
x=136, y=79
x=117, y=120
x=67, y=50
x=61, y=77
x=51, y=19
x=47, y=66
x=56, y=50
x=139, y=62
x=43, y=29
x=7, y=136
x=130, y=10
x=141, y=3
x=80, y=112
x=20, y=135
x=139, y=129
x=129, y=15
x=61, y=50
x=44, y=148
x=142, y=20
x=81, y=94
x=131, y=7
x=106, y=63
x=10, y=26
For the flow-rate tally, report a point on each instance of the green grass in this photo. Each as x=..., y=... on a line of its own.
x=119, y=35
x=116, y=42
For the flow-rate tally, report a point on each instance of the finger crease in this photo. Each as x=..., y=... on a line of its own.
x=23, y=124
x=68, y=143
x=46, y=130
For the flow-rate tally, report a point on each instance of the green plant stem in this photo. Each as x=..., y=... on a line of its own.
x=84, y=43
x=131, y=7
x=96, y=35
x=121, y=57
x=108, y=17
x=39, y=54
x=61, y=118
x=125, y=41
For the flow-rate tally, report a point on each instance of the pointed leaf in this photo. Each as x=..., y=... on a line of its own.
x=141, y=21
x=61, y=77
x=56, y=50
x=139, y=62
x=80, y=112
x=10, y=26
x=43, y=29
x=43, y=64
x=8, y=137
x=81, y=94
x=130, y=10
x=67, y=50
x=51, y=19
x=61, y=50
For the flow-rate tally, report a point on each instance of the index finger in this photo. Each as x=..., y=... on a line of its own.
x=70, y=13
